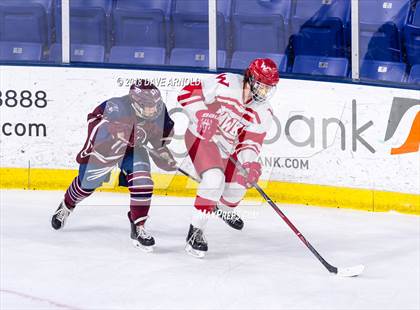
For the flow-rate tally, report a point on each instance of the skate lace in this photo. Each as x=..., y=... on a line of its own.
x=234, y=218
x=142, y=232
x=62, y=214
x=198, y=236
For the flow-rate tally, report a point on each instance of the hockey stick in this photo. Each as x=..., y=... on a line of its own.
x=353, y=271
x=154, y=152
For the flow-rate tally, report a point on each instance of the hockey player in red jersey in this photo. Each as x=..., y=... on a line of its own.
x=118, y=131
x=229, y=117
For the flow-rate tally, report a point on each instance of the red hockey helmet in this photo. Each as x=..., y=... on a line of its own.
x=146, y=99
x=262, y=76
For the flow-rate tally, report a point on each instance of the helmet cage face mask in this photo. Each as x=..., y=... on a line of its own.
x=261, y=92
x=147, y=103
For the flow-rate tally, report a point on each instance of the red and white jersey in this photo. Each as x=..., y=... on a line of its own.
x=242, y=126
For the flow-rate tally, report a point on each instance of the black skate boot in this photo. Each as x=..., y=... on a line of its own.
x=60, y=216
x=196, y=242
x=231, y=218
x=140, y=237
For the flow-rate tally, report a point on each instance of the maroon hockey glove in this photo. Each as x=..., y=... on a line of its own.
x=163, y=158
x=253, y=170
x=207, y=123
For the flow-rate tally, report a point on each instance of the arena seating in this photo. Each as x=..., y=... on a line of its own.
x=241, y=60
x=412, y=37
x=79, y=53
x=190, y=23
x=137, y=55
x=24, y=23
x=47, y=6
x=414, y=76
x=20, y=51
x=164, y=5
x=320, y=27
x=381, y=24
x=141, y=23
x=318, y=65
x=195, y=57
x=252, y=20
x=383, y=71
x=88, y=25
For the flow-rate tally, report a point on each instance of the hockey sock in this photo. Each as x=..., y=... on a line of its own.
x=203, y=208
x=205, y=205
x=75, y=193
x=226, y=205
x=139, y=214
x=140, y=186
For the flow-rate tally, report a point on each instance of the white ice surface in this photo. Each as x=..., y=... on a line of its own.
x=91, y=264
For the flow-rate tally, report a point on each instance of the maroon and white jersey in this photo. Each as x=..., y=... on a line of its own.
x=112, y=127
x=242, y=125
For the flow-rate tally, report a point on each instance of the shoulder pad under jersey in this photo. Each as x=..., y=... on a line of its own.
x=261, y=117
x=224, y=84
x=117, y=107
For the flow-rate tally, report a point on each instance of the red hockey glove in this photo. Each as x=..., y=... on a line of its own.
x=207, y=123
x=253, y=170
x=163, y=158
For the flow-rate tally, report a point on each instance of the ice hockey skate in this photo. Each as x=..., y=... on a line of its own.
x=196, y=242
x=141, y=238
x=230, y=217
x=60, y=216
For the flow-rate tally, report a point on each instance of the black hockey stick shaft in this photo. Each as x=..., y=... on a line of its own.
x=187, y=174
x=330, y=268
x=295, y=230
x=267, y=198
x=154, y=152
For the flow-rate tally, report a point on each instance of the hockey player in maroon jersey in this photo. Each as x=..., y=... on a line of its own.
x=229, y=116
x=118, y=130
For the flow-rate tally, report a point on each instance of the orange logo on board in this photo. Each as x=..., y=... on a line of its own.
x=398, y=109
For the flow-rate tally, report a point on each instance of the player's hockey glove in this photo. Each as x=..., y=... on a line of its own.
x=253, y=173
x=207, y=124
x=164, y=159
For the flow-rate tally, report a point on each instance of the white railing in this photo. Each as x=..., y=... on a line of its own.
x=65, y=31
x=212, y=35
x=355, y=51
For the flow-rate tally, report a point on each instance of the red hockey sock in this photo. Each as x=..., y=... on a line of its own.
x=204, y=205
x=226, y=203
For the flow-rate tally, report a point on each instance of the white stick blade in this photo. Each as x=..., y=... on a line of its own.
x=353, y=271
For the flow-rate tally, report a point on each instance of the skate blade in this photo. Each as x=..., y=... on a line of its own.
x=138, y=245
x=193, y=252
